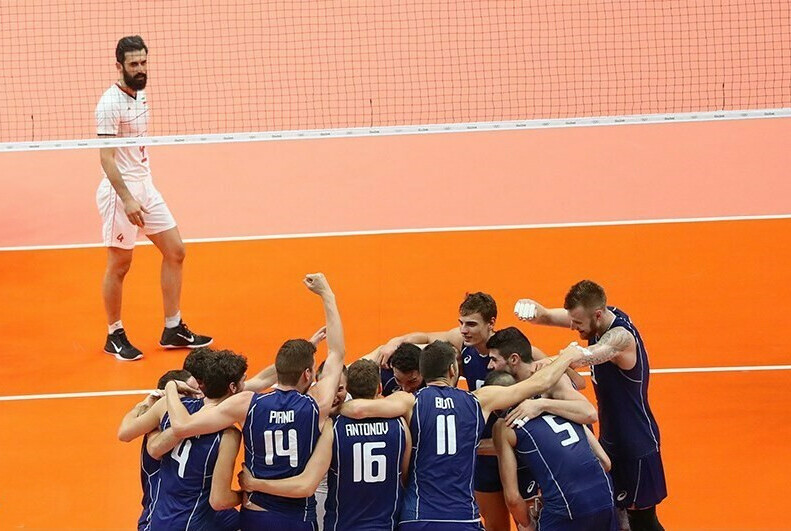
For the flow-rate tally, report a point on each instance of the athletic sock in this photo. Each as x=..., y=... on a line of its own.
x=173, y=322
x=115, y=326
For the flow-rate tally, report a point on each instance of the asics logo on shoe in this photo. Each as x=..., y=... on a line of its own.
x=191, y=338
x=116, y=347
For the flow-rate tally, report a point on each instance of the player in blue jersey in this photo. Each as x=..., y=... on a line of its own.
x=149, y=467
x=196, y=472
x=477, y=317
x=620, y=374
x=367, y=460
x=281, y=427
x=569, y=466
x=446, y=424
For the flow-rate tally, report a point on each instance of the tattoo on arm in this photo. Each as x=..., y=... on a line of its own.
x=612, y=343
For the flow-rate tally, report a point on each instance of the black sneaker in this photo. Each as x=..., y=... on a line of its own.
x=119, y=346
x=181, y=337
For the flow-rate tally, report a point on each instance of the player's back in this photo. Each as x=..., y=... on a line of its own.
x=185, y=483
x=446, y=427
x=389, y=382
x=280, y=432
x=149, y=481
x=572, y=480
x=364, y=479
x=627, y=425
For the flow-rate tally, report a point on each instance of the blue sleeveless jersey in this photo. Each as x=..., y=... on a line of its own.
x=573, y=482
x=149, y=480
x=389, y=383
x=280, y=432
x=474, y=367
x=446, y=427
x=627, y=425
x=185, y=482
x=364, y=479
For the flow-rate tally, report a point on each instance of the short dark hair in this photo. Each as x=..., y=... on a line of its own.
x=503, y=378
x=587, y=294
x=196, y=362
x=481, y=303
x=131, y=43
x=363, y=379
x=406, y=357
x=509, y=341
x=436, y=359
x=293, y=358
x=175, y=374
x=344, y=371
x=226, y=367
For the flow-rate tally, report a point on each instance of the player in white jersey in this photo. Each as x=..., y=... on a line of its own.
x=129, y=203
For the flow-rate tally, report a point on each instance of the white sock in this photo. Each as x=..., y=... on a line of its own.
x=115, y=326
x=173, y=322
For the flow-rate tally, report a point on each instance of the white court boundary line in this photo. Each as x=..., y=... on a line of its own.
x=678, y=370
x=353, y=132
x=426, y=230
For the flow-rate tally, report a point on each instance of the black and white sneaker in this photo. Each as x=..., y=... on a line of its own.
x=119, y=346
x=182, y=337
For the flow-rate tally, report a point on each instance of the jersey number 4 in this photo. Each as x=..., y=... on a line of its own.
x=273, y=445
x=180, y=454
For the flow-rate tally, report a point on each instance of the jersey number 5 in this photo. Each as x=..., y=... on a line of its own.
x=562, y=427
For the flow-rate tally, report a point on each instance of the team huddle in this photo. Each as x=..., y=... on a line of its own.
x=398, y=443
x=390, y=441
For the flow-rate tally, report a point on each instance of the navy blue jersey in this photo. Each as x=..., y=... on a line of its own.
x=474, y=367
x=280, y=432
x=389, y=383
x=185, y=481
x=572, y=480
x=364, y=480
x=446, y=427
x=627, y=426
x=149, y=480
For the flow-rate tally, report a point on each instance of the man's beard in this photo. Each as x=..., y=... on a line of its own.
x=135, y=83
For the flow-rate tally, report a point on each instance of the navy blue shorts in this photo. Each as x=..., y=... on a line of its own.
x=487, y=475
x=638, y=483
x=263, y=520
x=227, y=520
x=605, y=520
x=440, y=526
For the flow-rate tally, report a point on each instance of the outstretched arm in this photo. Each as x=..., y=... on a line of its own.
x=206, y=420
x=452, y=336
x=141, y=419
x=534, y=312
x=161, y=442
x=304, y=484
x=399, y=404
x=615, y=342
x=496, y=397
x=324, y=391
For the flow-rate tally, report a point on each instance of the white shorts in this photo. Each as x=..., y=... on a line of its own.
x=117, y=230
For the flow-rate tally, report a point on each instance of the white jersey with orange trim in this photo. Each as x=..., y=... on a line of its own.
x=121, y=114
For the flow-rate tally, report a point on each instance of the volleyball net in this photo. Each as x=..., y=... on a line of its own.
x=230, y=67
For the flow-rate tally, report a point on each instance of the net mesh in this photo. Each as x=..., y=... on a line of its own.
x=221, y=66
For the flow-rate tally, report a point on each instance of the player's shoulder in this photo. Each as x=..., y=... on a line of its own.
x=112, y=96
